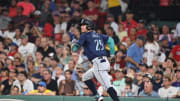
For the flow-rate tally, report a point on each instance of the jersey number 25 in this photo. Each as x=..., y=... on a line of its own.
x=99, y=45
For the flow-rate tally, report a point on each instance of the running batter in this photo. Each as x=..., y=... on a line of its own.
x=94, y=48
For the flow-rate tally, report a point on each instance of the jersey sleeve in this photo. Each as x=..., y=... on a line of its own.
x=81, y=40
x=105, y=38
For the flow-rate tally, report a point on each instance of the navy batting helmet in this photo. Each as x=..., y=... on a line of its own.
x=89, y=23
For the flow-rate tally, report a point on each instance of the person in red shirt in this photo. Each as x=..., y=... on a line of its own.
x=48, y=28
x=140, y=28
x=14, y=49
x=130, y=22
x=28, y=7
x=91, y=12
x=12, y=9
x=175, y=52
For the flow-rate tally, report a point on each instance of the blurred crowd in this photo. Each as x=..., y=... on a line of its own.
x=36, y=58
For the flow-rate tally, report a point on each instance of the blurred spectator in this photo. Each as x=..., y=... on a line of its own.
x=175, y=52
x=27, y=6
x=39, y=59
x=72, y=67
x=58, y=32
x=9, y=62
x=139, y=79
x=157, y=82
x=45, y=11
x=17, y=38
x=148, y=90
x=110, y=18
x=177, y=33
x=12, y=9
x=79, y=84
x=5, y=86
x=129, y=89
x=75, y=20
x=87, y=91
x=165, y=32
x=119, y=79
x=119, y=61
x=66, y=40
x=59, y=51
x=36, y=78
x=51, y=84
x=45, y=49
x=177, y=82
x=77, y=58
x=26, y=47
x=167, y=91
x=41, y=68
x=54, y=64
x=147, y=77
x=10, y=32
x=151, y=49
x=19, y=19
x=121, y=32
x=41, y=90
x=165, y=47
x=4, y=19
x=129, y=22
x=49, y=27
x=91, y=12
x=135, y=53
x=141, y=28
x=30, y=68
x=14, y=90
x=59, y=75
x=66, y=56
x=132, y=34
x=23, y=83
x=110, y=32
x=67, y=86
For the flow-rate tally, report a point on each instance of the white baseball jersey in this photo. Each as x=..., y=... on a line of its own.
x=151, y=50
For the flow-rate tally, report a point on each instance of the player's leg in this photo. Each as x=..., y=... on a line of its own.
x=87, y=80
x=103, y=77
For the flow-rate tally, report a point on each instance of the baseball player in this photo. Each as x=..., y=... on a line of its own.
x=94, y=48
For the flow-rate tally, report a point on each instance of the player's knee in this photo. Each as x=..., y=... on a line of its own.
x=84, y=78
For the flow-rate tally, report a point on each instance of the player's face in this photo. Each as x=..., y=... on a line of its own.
x=83, y=28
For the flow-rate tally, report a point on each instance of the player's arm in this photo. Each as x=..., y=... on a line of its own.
x=111, y=45
x=75, y=47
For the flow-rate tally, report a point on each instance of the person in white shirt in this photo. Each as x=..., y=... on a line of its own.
x=17, y=37
x=151, y=49
x=23, y=83
x=113, y=24
x=26, y=47
x=129, y=89
x=59, y=75
x=168, y=90
x=177, y=32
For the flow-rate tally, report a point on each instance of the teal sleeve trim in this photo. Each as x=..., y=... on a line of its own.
x=75, y=47
x=111, y=45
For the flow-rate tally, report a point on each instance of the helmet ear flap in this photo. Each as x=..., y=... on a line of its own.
x=88, y=27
